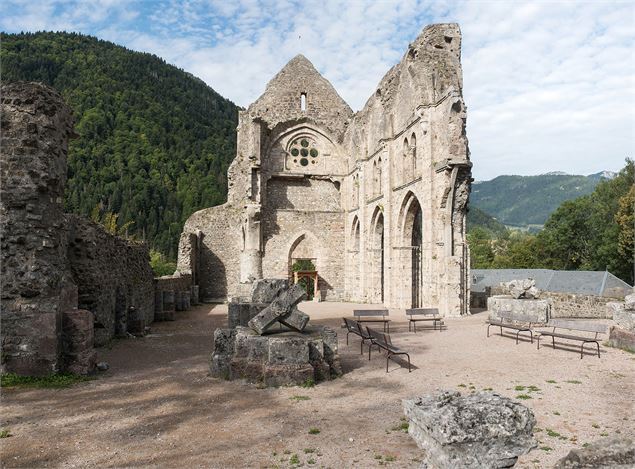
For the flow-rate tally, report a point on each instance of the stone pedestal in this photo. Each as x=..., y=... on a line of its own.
x=78, y=337
x=277, y=359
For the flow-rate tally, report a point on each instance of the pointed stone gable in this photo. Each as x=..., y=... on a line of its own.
x=282, y=99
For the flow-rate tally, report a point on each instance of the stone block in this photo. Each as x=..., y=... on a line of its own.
x=296, y=320
x=624, y=318
x=267, y=289
x=222, y=354
x=281, y=306
x=288, y=351
x=78, y=337
x=168, y=300
x=622, y=338
x=479, y=430
x=609, y=453
x=249, y=345
x=629, y=302
x=243, y=368
x=194, y=295
x=287, y=375
x=538, y=310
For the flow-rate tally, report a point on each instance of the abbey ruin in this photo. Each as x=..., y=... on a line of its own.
x=376, y=200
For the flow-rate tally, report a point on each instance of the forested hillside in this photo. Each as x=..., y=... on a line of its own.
x=592, y=232
x=477, y=218
x=154, y=142
x=529, y=200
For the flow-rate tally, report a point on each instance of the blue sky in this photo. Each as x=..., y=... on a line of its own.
x=550, y=86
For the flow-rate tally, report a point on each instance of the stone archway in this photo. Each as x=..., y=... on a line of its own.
x=377, y=258
x=411, y=242
x=304, y=254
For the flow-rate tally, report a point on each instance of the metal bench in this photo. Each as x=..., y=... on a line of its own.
x=423, y=314
x=514, y=321
x=373, y=315
x=577, y=326
x=382, y=341
x=354, y=327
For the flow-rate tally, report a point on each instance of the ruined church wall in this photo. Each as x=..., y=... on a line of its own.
x=36, y=283
x=112, y=274
x=220, y=234
x=400, y=145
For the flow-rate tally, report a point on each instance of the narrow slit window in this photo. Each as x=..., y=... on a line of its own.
x=303, y=101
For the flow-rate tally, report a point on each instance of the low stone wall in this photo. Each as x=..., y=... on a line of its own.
x=570, y=305
x=173, y=293
x=538, y=310
x=113, y=277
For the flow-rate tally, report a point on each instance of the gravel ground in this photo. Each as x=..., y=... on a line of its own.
x=157, y=406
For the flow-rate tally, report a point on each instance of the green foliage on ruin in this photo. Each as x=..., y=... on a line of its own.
x=592, y=232
x=154, y=142
x=160, y=264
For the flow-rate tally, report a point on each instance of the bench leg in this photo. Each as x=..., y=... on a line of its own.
x=531, y=335
x=538, y=341
x=598, y=344
x=488, y=326
x=347, y=337
x=554, y=342
x=409, y=326
x=582, y=350
x=501, y=331
x=361, y=347
x=517, y=333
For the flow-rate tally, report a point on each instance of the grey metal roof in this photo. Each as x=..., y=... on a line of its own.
x=585, y=282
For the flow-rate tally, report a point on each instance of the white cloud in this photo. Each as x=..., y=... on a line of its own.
x=549, y=86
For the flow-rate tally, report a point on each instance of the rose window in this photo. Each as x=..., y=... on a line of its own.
x=303, y=151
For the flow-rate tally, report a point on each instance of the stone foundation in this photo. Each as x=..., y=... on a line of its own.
x=276, y=359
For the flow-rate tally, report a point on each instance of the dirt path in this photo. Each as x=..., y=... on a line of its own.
x=157, y=406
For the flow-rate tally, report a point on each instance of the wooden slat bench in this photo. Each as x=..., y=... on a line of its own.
x=382, y=341
x=423, y=314
x=354, y=327
x=557, y=325
x=373, y=315
x=515, y=321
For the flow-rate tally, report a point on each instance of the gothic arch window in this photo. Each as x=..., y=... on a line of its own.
x=406, y=176
x=413, y=146
x=379, y=174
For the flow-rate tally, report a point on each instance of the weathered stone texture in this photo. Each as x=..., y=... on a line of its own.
x=112, y=275
x=53, y=262
x=36, y=283
x=347, y=191
x=287, y=358
x=481, y=430
x=609, y=453
x=538, y=310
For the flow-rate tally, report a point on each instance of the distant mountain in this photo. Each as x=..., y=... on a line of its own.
x=154, y=141
x=523, y=201
x=477, y=218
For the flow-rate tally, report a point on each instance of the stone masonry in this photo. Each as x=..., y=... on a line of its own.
x=61, y=274
x=375, y=199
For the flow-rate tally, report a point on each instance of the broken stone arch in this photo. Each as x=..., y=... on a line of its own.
x=410, y=252
x=305, y=245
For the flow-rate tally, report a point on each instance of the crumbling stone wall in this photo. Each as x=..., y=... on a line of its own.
x=53, y=263
x=355, y=190
x=112, y=275
x=36, y=283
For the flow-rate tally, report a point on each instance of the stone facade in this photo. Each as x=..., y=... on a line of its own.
x=376, y=199
x=53, y=263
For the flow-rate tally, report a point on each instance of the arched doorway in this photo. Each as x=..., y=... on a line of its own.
x=378, y=258
x=412, y=241
x=303, y=262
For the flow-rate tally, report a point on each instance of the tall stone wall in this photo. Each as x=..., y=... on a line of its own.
x=36, y=283
x=112, y=275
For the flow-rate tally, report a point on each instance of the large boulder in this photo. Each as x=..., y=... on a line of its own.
x=479, y=430
x=525, y=288
x=609, y=453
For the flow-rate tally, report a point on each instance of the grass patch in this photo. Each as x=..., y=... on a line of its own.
x=314, y=431
x=54, y=381
x=5, y=433
x=553, y=433
x=584, y=445
x=537, y=430
x=286, y=451
x=311, y=461
x=533, y=388
x=604, y=434
x=300, y=398
x=595, y=425
x=488, y=389
x=462, y=385
x=390, y=458
x=309, y=450
x=378, y=456
x=294, y=459
x=519, y=388
x=546, y=448
x=523, y=396
x=551, y=381
x=555, y=412
x=573, y=381
x=309, y=383
x=402, y=427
